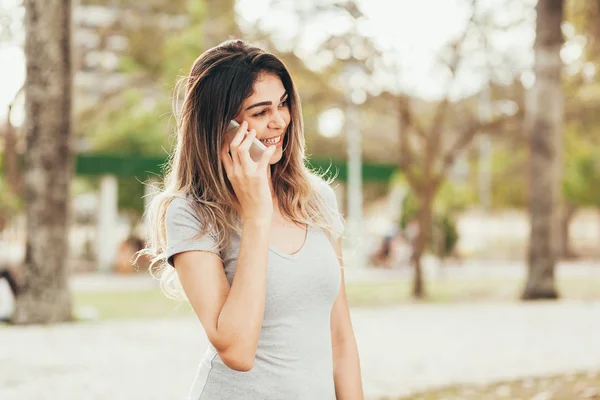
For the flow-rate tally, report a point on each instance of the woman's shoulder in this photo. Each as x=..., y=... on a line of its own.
x=181, y=206
x=323, y=188
x=179, y=201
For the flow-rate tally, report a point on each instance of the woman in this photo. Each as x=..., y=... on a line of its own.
x=256, y=246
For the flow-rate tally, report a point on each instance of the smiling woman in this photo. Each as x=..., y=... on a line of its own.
x=269, y=118
x=254, y=244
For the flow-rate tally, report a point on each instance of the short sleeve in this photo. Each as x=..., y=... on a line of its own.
x=333, y=212
x=183, y=227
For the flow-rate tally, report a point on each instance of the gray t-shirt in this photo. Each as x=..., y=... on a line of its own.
x=294, y=356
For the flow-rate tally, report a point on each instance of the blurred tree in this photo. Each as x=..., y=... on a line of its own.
x=582, y=93
x=581, y=180
x=452, y=198
x=219, y=22
x=426, y=161
x=429, y=151
x=545, y=119
x=582, y=142
x=584, y=15
x=45, y=295
x=137, y=120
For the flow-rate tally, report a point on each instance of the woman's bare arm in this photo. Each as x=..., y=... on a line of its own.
x=231, y=316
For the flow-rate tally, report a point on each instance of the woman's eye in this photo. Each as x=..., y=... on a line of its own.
x=263, y=112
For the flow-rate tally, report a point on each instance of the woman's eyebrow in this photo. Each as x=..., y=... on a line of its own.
x=266, y=103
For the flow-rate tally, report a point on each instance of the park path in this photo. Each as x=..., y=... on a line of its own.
x=403, y=349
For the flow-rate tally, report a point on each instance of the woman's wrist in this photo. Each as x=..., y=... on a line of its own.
x=258, y=223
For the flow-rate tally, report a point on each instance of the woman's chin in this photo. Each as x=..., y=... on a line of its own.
x=276, y=157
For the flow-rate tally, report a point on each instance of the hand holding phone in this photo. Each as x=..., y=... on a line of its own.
x=256, y=149
x=246, y=162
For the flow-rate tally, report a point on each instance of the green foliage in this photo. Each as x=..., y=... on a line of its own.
x=133, y=128
x=140, y=119
x=581, y=179
x=509, y=177
x=454, y=197
x=10, y=203
x=447, y=233
x=131, y=196
x=584, y=15
x=181, y=50
x=451, y=199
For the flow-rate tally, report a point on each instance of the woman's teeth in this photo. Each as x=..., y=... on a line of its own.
x=271, y=141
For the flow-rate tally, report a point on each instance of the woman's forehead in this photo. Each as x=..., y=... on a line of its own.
x=266, y=87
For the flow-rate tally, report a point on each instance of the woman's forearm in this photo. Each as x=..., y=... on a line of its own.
x=241, y=316
x=346, y=371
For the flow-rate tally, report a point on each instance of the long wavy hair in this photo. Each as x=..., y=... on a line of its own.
x=215, y=89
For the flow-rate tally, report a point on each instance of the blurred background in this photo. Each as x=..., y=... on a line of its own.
x=463, y=136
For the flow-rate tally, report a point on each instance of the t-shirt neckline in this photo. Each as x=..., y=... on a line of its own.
x=299, y=252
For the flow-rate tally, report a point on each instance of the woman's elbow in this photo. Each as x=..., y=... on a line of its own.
x=238, y=361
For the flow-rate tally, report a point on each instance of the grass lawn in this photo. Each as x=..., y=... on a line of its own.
x=564, y=387
x=462, y=290
x=152, y=303
x=130, y=304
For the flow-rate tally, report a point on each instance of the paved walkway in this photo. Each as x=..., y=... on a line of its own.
x=402, y=349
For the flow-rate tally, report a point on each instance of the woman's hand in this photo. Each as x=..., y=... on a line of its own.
x=248, y=178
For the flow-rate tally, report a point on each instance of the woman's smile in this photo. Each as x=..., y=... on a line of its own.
x=272, y=141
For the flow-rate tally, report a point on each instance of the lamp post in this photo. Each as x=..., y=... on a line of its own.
x=354, y=227
x=485, y=152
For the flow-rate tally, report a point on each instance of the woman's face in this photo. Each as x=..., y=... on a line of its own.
x=267, y=112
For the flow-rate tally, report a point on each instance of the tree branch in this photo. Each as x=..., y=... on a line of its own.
x=408, y=118
x=467, y=136
x=407, y=156
x=440, y=114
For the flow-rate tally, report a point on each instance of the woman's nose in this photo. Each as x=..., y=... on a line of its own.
x=277, y=122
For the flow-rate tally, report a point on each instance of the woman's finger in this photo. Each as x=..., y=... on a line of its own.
x=244, y=150
x=239, y=136
x=266, y=156
x=236, y=141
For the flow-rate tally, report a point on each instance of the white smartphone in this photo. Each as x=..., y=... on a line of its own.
x=256, y=148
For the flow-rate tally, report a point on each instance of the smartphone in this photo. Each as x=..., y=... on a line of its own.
x=256, y=148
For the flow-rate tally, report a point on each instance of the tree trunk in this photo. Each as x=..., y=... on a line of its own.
x=425, y=218
x=546, y=146
x=568, y=211
x=45, y=296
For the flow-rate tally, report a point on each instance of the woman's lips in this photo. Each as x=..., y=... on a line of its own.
x=272, y=141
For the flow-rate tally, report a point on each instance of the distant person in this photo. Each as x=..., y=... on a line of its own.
x=10, y=276
x=255, y=242
x=382, y=256
x=6, y=303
